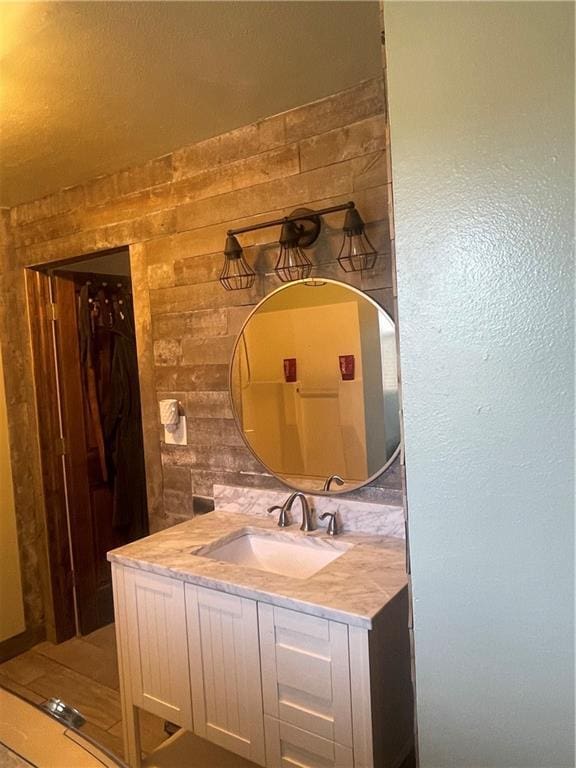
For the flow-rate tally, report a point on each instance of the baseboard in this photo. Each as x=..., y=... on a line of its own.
x=22, y=642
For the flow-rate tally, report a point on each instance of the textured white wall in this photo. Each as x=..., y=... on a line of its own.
x=482, y=108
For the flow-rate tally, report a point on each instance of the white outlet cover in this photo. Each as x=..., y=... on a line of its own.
x=178, y=436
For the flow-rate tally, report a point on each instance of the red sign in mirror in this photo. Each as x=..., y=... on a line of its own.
x=289, y=369
x=347, y=367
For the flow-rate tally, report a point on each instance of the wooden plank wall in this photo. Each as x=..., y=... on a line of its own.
x=173, y=212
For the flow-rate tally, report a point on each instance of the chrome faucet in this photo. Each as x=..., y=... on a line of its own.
x=307, y=515
x=283, y=518
x=332, y=479
x=333, y=529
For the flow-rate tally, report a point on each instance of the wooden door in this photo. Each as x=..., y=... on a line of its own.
x=78, y=498
x=225, y=671
x=76, y=456
x=90, y=497
x=155, y=632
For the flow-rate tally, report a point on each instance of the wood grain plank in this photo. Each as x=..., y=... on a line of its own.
x=80, y=656
x=97, y=703
x=29, y=666
x=20, y=690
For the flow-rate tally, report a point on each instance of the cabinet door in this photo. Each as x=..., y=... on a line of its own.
x=157, y=656
x=306, y=672
x=225, y=671
x=288, y=747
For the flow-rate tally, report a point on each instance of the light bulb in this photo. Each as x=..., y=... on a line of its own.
x=292, y=262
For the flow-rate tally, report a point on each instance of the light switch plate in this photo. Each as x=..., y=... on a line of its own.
x=178, y=436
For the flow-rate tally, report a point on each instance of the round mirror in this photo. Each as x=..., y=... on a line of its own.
x=314, y=386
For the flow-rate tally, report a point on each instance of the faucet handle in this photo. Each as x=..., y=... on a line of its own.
x=333, y=524
x=283, y=519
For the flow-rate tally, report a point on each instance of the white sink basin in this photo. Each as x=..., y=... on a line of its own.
x=289, y=555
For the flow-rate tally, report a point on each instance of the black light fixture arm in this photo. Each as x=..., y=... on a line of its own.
x=293, y=217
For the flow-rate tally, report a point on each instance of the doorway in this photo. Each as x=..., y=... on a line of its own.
x=90, y=430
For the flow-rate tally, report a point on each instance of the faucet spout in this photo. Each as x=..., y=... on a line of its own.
x=307, y=516
x=332, y=479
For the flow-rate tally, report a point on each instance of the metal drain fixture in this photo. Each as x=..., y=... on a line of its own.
x=62, y=712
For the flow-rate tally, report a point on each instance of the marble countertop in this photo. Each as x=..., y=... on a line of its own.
x=352, y=589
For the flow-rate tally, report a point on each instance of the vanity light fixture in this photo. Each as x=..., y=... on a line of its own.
x=299, y=231
x=236, y=273
x=292, y=263
x=357, y=252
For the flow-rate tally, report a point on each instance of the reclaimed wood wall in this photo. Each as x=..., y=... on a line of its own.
x=173, y=213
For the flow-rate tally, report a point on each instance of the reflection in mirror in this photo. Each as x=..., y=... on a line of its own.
x=314, y=386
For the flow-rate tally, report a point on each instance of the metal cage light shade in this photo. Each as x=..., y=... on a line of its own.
x=292, y=262
x=357, y=252
x=236, y=272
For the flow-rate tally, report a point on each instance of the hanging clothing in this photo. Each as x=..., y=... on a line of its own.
x=123, y=429
x=85, y=329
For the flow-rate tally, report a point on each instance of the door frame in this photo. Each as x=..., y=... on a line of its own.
x=64, y=455
x=51, y=443
x=59, y=610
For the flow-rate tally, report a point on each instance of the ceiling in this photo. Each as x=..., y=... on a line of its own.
x=88, y=88
x=116, y=262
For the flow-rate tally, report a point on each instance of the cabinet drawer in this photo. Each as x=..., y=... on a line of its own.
x=291, y=747
x=305, y=672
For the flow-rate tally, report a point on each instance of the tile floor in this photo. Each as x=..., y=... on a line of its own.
x=83, y=672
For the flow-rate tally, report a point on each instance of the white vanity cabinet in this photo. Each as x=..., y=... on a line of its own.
x=278, y=687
